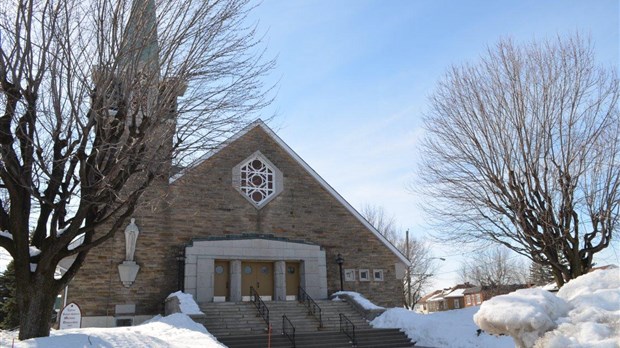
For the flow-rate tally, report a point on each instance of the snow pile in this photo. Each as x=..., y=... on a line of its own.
x=525, y=315
x=594, y=320
x=8, y=338
x=357, y=297
x=186, y=303
x=449, y=329
x=174, y=331
x=585, y=312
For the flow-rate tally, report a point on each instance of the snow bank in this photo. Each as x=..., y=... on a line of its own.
x=594, y=320
x=186, y=303
x=174, y=331
x=525, y=315
x=447, y=329
x=357, y=297
x=585, y=313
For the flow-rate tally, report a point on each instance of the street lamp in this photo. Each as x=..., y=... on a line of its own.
x=409, y=274
x=181, y=271
x=340, y=261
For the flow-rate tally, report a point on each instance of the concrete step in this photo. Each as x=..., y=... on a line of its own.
x=225, y=319
x=385, y=338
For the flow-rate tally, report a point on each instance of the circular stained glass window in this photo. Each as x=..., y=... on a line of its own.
x=291, y=269
x=247, y=270
x=219, y=269
x=264, y=270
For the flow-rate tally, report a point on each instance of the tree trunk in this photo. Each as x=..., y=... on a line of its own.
x=558, y=276
x=36, y=304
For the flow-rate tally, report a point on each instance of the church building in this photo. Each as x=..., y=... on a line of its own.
x=249, y=213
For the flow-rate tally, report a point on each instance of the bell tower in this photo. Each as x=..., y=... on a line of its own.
x=131, y=99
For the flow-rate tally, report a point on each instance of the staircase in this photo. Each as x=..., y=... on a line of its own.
x=237, y=326
x=370, y=338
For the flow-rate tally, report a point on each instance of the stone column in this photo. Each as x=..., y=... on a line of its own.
x=279, y=275
x=235, y=280
x=205, y=268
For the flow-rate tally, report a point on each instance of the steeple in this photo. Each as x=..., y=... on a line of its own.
x=141, y=50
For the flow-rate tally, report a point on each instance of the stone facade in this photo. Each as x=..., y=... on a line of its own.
x=202, y=204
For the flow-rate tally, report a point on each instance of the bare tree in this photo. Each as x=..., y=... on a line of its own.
x=386, y=225
x=99, y=100
x=493, y=268
x=419, y=274
x=523, y=150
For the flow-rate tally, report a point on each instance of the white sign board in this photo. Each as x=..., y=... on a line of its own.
x=70, y=317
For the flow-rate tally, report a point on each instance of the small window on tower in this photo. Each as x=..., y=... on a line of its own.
x=349, y=275
x=364, y=275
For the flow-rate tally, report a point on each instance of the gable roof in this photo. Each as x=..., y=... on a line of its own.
x=306, y=167
x=429, y=296
x=456, y=293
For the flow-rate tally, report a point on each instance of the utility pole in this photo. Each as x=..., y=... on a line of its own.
x=408, y=269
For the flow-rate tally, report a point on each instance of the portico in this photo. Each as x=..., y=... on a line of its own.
x=224, y=270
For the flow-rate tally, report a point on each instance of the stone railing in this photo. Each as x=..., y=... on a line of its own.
x=368, y=314
x=173, y=305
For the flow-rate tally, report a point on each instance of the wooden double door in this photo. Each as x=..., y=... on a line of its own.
x=256, y=274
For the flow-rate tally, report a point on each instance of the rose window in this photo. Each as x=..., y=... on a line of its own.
x=257, y=179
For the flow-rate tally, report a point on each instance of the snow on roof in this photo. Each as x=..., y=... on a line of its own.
x=428, y=296
x=473, y=290
x=304, y=165
x=456, y=293
x=437, y=297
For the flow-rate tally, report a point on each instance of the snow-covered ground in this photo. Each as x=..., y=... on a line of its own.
x=174, y=331
x=585, y=313
x=449, y=329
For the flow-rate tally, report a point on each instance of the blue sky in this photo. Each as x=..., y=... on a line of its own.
x=354, y=77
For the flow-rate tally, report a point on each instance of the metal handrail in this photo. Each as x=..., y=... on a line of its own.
x=260, y=305
x=313, y=307
x=348, y=329
x=285, y=332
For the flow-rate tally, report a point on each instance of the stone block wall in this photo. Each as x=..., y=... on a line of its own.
x=203, y=203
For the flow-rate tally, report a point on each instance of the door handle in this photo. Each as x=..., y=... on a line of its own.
x=258, y=285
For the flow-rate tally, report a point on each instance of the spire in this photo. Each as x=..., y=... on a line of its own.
x=142, y=49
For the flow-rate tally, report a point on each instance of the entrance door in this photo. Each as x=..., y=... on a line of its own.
x=221, y=281
x=292, y=280
x=258, y=275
